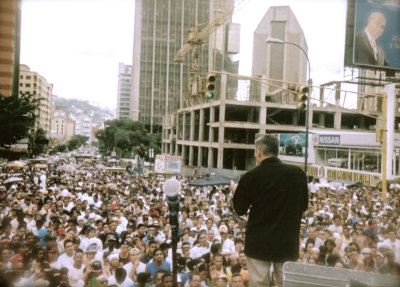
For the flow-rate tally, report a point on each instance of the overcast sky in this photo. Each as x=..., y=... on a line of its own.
x=77, y=44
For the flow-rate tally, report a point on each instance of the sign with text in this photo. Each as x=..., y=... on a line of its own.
x=340, y=174
x=329, y=139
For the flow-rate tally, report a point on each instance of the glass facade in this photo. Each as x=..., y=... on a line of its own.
x=349, y=158
x=164, y=25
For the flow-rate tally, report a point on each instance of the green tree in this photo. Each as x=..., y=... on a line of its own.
x=124, y=136
x=59, y=148
x=77, y=141
x=38, y=142
x=17, y=117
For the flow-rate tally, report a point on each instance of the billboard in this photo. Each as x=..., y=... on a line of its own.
x=373, y=34
x=167, y=164
x=292, y=144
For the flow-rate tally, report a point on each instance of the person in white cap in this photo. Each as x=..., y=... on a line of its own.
x=81, y=222
x=192, y=235
x=227, y=243
x=110, y=268
x=201, y=248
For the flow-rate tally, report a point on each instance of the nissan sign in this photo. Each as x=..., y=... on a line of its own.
x=329, y=140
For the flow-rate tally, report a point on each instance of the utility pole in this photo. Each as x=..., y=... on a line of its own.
x=385, y=135
x=388, y=114
x=384, y=146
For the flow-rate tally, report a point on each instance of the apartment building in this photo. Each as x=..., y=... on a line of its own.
x=35, y=84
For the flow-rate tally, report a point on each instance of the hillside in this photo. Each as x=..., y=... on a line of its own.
x=69, y=105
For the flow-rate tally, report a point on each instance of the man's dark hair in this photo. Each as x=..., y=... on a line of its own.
x=267, y=144
x=120, y=275
x=332, y=259
x=193, y=274
x=329, y=241
x=67, y=241
x=321, y=259
x=162, y=271
x=236, y=269
x=166, y=274
x=215, y=248
x=143, y=278
x=238, y=240
x=155, y=250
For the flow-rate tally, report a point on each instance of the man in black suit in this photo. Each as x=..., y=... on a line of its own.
x=277, y=195
x=367, y=49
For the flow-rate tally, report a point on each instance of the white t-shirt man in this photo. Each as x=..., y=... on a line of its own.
x=75, y=276
x=139, y=269
x=126, y=283
x=64, y=261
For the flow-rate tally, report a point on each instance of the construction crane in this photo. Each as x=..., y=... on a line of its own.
x=196, y=39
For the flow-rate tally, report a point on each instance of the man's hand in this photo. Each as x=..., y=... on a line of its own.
x=232, y=187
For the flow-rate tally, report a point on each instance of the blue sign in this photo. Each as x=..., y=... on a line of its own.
x=292, y=144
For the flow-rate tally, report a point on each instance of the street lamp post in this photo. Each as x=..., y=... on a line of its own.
x=172, y=188
x=270, y=40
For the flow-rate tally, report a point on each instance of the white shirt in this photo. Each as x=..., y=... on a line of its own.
x=126, y=283
x=139, y=269
x=75, y=276
x=198, y=251
x=313, y=187
x=228, y=245
x=64, y=261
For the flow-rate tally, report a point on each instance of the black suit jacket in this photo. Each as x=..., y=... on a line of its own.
x=277, y=195
x=364, y=54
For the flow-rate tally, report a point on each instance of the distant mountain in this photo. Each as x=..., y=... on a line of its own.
x=71, y=105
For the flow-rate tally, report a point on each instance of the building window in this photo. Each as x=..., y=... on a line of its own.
x=348, y=158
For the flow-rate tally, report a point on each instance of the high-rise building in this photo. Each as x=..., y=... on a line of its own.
x=124, y=91
x=9, y=44
x=35, y=84
x=161, y=26
x=278, y=61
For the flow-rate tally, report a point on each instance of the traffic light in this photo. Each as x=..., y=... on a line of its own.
x=302, y=97
x=210, y=86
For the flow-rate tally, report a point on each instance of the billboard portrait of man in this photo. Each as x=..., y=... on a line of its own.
x=367, y=49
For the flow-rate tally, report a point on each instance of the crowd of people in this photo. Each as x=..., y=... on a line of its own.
x=90, y=227
x=352, y=228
